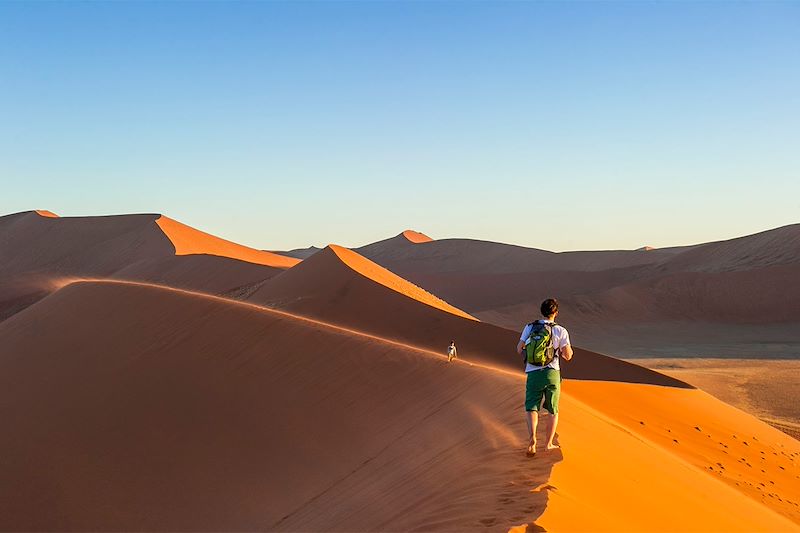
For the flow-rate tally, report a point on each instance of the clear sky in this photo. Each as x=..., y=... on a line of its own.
x=584, y=125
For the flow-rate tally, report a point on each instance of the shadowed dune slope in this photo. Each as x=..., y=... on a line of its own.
x=334, y=286
x=39, y=251
x=748, y=280
x=181, y=411
x=300, y=253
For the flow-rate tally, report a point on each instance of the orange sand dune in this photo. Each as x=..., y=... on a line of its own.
x=645, y=458
x=189, y=241
x=338, y=286
x=378, y=274
x=209, y=414
x=38, y=250
x=46, y=213
x=415, y=236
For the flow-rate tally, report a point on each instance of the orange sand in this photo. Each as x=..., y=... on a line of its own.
x=378, y=274
x=46, y=213
x=618, y=474
x=189, y=241
x=207, y=415
x=415, y=236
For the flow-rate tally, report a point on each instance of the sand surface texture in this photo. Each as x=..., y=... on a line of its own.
x=766, y=388
x=186, y=411
x=155, y=377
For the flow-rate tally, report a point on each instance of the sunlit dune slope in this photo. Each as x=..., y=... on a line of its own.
x=628, y=449
x=188, y=412
x=415, y=236
x=189, y=241
x=378, y=274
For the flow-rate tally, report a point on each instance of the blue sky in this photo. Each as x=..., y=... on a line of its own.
x=584, y=125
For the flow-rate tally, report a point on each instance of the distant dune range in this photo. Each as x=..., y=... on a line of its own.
x=164, y=379
x=628, y=303
x=39, y=251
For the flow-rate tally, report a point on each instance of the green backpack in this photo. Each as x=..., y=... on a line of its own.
x=540, y=351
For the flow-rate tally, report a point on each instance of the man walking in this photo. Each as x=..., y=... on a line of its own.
x=544, y=343
x=452, y=352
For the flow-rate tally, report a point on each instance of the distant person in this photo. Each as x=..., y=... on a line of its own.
x=452, y=351
x=544, y=343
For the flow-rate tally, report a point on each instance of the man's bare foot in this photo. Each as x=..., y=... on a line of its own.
x=531, y=449
x=552, y=446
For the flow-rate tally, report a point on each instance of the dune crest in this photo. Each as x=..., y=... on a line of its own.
x=415, y=236
x=190, y=241
x=46, y=213
x=389, y=279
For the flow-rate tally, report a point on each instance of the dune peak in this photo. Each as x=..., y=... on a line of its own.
x=46, y=213
x=415, y=236
x=190, y=241
x=379, y=274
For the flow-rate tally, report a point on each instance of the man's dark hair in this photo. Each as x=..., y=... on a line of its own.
x=549, y=307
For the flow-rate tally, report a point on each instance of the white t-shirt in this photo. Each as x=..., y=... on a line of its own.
x=560, y=340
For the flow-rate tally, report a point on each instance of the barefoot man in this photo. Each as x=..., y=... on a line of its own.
x=550, y=343
x=452, y=351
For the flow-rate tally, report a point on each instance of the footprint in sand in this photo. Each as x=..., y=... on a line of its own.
x=489, y=521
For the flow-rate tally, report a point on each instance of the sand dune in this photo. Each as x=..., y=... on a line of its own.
x=185, y=411
x=749, y=280
x=762, y=387
x=189, y=241
x=340, y=287
x=38, y=250
x=300, y=253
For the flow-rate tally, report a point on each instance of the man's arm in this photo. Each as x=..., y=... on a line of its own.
x=520, y=346
x=566, y=352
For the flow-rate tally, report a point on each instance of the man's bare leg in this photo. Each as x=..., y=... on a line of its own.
x=532, y=418
x=551, y=431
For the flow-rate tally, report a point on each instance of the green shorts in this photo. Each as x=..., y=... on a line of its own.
x=543, y=383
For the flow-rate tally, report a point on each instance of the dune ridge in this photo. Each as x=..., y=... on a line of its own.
x=190, y=241
x=389, y=279
x=38, y=251
x=325, y=287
